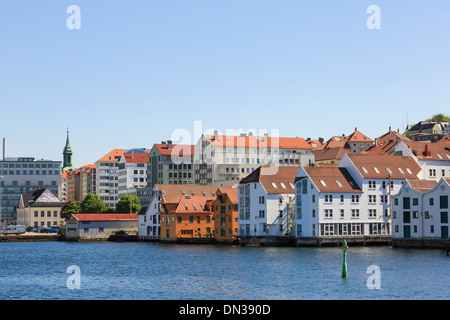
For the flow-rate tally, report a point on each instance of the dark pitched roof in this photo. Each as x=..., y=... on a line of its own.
x=41, y=198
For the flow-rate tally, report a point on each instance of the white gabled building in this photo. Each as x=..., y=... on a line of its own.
x=351, y=199
x=420, y=213
x=266, y=202
x=433, y=157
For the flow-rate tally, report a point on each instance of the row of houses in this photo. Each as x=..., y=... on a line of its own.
x=365, y=198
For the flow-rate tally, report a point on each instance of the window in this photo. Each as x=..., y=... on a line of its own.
x=406, y=203
x=376, y=169
x=432, y=172
x=339, y=183
x=444, y=217
x=372, y=184
x=342, y=213
x=355, y=213
x=415, y=201
x=443, y=202
x=323, y=183
x=342, y=198
x=328, y=213
x=355, y=198
x=372, y=198
x=431, y=201
x=328, y=198
x=372, y=213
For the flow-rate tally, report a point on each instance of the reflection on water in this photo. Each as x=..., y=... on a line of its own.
x=178, y=272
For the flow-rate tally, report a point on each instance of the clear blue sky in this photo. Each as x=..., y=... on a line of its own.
x=138, y=70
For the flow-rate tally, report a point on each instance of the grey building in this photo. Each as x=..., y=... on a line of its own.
x=168, y=164
x=24, y=175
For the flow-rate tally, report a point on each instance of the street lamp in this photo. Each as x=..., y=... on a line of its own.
x=1, y=207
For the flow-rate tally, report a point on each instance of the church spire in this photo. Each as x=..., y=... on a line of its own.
x=67, y=164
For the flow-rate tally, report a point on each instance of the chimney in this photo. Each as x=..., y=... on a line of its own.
x=427, y=152
x=250, y=134
x=321, y=139
x=169, y=144
x=4, y=148
x=216, y=135
x=163, y=142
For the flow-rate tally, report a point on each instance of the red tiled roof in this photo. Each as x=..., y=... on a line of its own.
x=383, y=147
x=336, y=142
x=357, y=136
x=105, y=216
x=274, y=179
x=332, y=179
x=113, y=155
x=259, y=142
x=422, y=185
x=177, y=149
x=232, y=193
x=378, y=166
x=439, y=151
x=136, y=157
x=330, y=153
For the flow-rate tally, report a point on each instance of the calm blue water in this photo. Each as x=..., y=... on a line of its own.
x=38, y=270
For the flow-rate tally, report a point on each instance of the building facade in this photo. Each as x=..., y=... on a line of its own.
x=24, y=175
x=351, y=199
x=226, y=219
x=105, y=178
x=42, y=208
x=226, y=160
x=433, y=158
x=267, y=202
x=420, y=211
x=133, y=171
x=164, y=201
x=99, y=226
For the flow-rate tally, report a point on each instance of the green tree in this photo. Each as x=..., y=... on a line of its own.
x=123, y=206
x=93, y=204
x=73, y=207
x=439, y=117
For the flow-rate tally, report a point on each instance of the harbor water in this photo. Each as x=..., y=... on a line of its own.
x=140, y=270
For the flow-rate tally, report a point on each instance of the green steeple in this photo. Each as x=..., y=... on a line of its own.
x=67, y=164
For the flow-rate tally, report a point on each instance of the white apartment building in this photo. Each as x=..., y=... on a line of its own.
x=433, y=157
x=352, y=199
x=105, y=178
x=267, y=202
x=420, y=210
x=132, y=171
x=225, y=159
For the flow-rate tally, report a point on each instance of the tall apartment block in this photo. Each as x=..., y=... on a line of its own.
x=105, y=177
x=168, y=163
x=226, y=160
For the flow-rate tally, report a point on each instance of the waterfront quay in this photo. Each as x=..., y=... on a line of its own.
x=269, y=241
